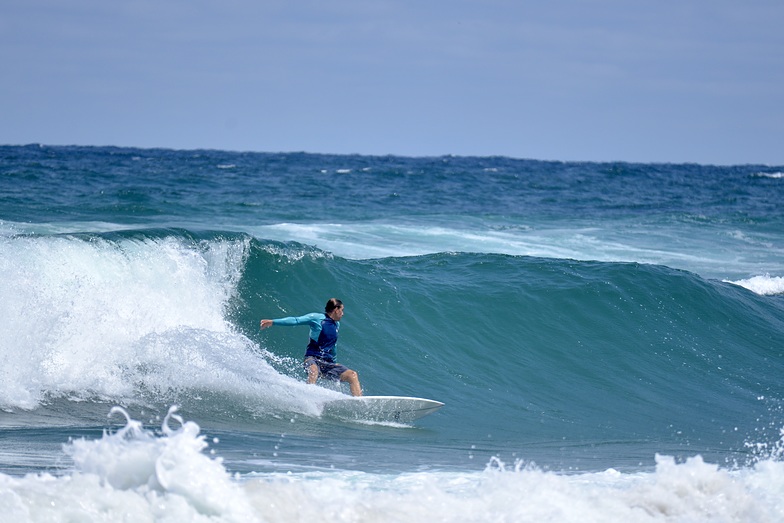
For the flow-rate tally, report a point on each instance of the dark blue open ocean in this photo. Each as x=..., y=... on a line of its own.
x=608, y=338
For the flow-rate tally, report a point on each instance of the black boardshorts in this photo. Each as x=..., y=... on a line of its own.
x=330, y=371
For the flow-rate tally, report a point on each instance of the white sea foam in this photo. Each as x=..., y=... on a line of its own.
x=711, y=253
x=693, y=491
x=378, y=240
x=766, y=285
x=131, y=475
x=135, y=475
x=705, y=252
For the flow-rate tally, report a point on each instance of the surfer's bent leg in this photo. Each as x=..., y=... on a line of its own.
x=332, y=371
x=352, y=378
x=313, y=373
x=313, y=369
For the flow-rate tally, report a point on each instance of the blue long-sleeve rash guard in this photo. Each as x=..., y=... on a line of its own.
x=323, y=334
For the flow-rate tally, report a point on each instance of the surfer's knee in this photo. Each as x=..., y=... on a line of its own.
x=352, y=378
x=349, y=375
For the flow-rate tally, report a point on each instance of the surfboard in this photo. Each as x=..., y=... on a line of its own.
x=398, y=409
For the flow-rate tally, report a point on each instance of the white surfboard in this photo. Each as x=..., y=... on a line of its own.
x=398, y=409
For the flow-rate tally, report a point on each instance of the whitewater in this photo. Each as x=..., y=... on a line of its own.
x=608, y=338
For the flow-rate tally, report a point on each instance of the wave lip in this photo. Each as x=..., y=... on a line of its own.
x=765, y=285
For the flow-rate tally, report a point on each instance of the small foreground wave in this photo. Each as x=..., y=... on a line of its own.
x=137, y=474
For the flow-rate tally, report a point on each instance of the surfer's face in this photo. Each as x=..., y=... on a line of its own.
x=337, y=313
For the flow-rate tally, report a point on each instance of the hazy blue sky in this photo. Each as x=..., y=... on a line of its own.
x=659, y=80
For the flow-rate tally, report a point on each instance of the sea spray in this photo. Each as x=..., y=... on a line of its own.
x=132, y=318
x=83, y=302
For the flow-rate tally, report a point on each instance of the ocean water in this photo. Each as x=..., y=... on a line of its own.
x=608, y=338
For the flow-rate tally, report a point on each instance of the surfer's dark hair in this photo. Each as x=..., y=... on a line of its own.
x=332, y=304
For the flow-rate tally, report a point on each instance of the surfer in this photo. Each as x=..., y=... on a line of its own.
x=320, y=354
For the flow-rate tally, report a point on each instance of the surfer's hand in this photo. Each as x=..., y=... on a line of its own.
x=266, y=323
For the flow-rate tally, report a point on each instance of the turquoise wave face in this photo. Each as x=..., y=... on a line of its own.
x=522, y=350
x=529, y=349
